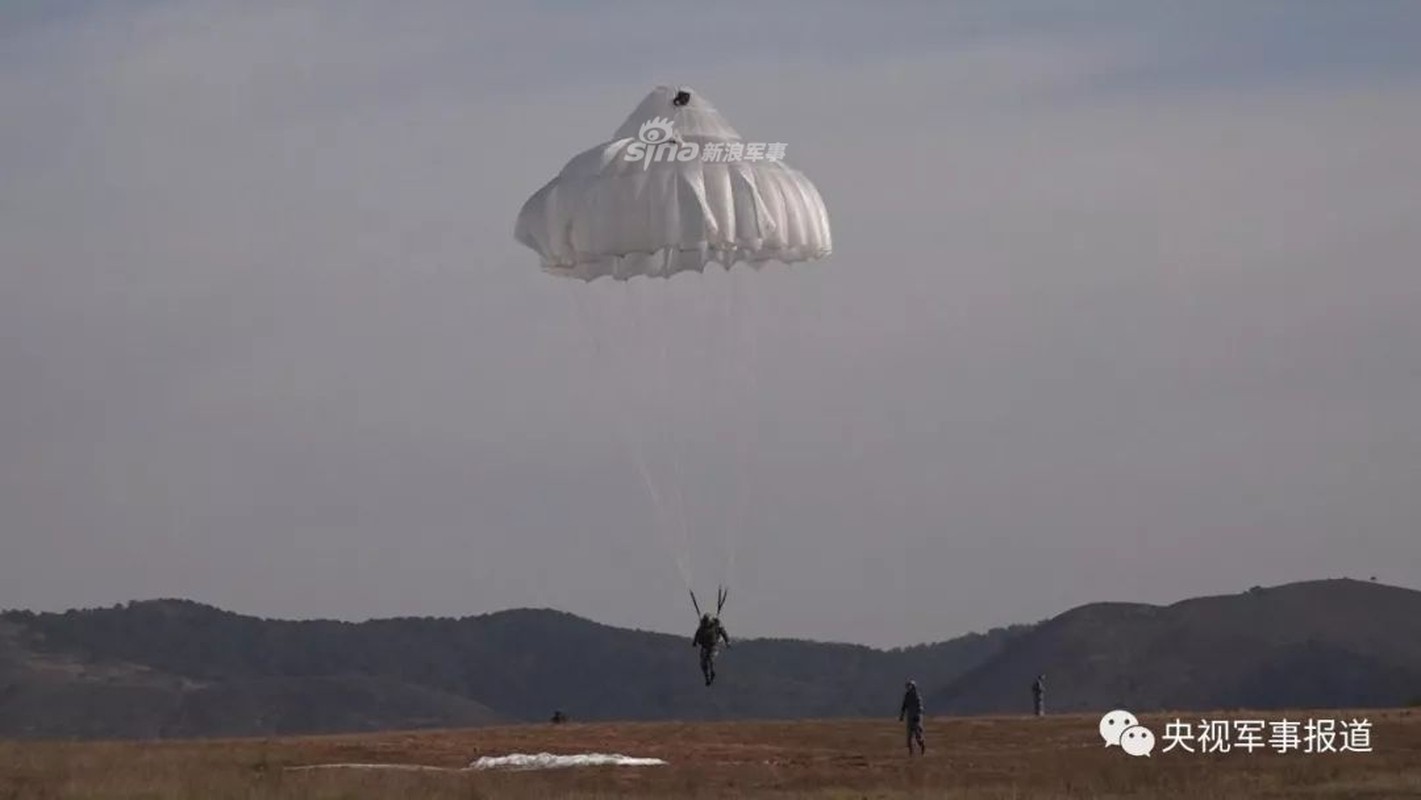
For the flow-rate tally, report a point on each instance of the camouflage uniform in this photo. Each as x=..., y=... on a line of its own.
x=707, y=637
x=1038, y=692
x=912, y=709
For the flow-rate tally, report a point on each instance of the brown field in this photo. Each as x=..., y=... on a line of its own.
x=977, y=757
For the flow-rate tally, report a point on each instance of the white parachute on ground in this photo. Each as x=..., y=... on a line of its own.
x=674, y=190
x=515, y=762
x=530, y=761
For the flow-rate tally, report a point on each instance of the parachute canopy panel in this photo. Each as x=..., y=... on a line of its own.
x=647, y=203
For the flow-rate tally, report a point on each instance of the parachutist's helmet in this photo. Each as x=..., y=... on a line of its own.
x=706, y=618
x=910, y=685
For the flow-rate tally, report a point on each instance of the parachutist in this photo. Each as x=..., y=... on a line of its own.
x=708, y=635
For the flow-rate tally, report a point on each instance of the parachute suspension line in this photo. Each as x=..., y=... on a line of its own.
x=809, y=321
x=717, y=338
x=743, y=327
x=716, y=345
x=662, y=413
x=633, y=444
x=664, y=312
x=725, y=336
x=659, y=332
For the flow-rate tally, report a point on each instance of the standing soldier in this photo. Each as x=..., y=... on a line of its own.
x=1038, y=692
x=912, y=709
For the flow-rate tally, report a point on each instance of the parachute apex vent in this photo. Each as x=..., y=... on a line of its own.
x=692, y=116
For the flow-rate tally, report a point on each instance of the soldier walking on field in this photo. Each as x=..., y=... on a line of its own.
x=912, y=711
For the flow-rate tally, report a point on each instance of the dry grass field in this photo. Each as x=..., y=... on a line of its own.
x=987, y=757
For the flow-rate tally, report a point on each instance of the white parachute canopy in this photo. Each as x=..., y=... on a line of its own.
x=650, y=202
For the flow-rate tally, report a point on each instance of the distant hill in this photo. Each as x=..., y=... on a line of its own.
x=179, y=668
x=1319, y=644
x=57, y=692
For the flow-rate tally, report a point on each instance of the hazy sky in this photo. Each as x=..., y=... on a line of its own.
x=1125, y=304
